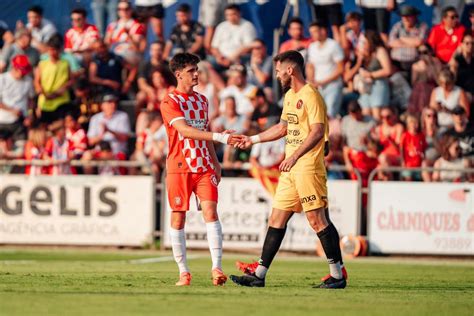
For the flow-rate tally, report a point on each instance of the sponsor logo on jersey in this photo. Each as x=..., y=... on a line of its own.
x=308, y=199
x=292, y=118
x=299, y=104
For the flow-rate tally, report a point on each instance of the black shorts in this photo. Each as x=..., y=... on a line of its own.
x=377, y=19
x=144, y=13
x=328, y=14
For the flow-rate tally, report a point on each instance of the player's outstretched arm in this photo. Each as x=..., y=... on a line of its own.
x=190, y=132
x=273, y=133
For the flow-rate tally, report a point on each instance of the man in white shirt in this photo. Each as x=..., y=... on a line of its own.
x=232, y=39
x=325, y=67
x=239, y=89
x=41, y=29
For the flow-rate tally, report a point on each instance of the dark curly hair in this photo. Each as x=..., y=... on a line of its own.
x=182, y=60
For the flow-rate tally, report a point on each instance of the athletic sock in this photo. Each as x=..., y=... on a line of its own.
x=271, y=246
x=329, y=238
x=178, y=244
x=326, y=213
x=214, y=238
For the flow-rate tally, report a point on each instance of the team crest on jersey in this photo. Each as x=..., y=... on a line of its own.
x=214, y=180
x=177, y=201
x=299, y=104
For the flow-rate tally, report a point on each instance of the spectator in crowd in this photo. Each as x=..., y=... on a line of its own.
x=6, y=36
x=146, y=68
x=430, y=129
x=446, y=36
x=297, y=41
x=151, y=11
x=471, y=20
x=259, y=67
x=59, y=150
x=80, y=38
x=376, y=15
x=462, y=65
x=352, y=37
x=103, y=152
x=452, y=160
x=462, y=131
x=105, y=72
x=35, y=150
x=211, y=13
x=75, y=67
x=110, y=125
x=374, y=68
x=52, y=82
x=186, y=36
x=440, y=5
x=21, y=46
x=230, y=119
x=412, y=147
x=83, y=101
x=362, y=161
x=105, y=12
x=232, y=39
x=333, y=150
x=424, y=77
x=356, y=127
x=325, y=67
x=126, y=36
x=405, y=36
x=209, y=84
x=238, y=88
x=446, y=97
x=16, y=98
x=75, y=134
x=265, y=113
x=40, y=28
x=329, y=14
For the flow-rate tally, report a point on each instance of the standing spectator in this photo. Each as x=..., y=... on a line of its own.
x=52, y=82
x=59, y=150
x=297, y=41
x=75, y=135
x=211, y=13
x=186, y=36
x=329, y=13
x=446, y=97
x=412, y=147
x=405, y=36
x=105, y=12
x=260, y=65
x=110, y=125
x=151, y=11
x=462, y=65
x=239, y=88
x=446, y=36
x=452, y=160
x=325, y=67
x=35, y=150
x=126, y=36
x=16, y=97
x=376, y=14
x=232, y=39
x=80, y=39
x=352, y=37
x=462, y=131
x=356, y=127
x=41, y=29
x=21, y=46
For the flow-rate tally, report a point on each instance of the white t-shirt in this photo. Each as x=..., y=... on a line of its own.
x=326, y=2
x=43, y=33
x=372, y=3
x=147, y=3
x=243, y=104
x=268, y=153
x=14, y=94
x=229, y=38
x=325, y=58
x=119, y=122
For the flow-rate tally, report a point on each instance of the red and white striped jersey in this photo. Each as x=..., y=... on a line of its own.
x=122, y=31
x=78, y=139
x=186, y=154
x=81, y=39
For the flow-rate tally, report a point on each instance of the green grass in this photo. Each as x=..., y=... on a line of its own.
x=86, y=282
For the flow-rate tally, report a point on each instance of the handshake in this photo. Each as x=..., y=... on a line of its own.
x=239, y=141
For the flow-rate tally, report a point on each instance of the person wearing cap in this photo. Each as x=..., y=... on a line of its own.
x=462, y=131
x=405, y=36
x=21, y=46
x=110, y=125
x=16, y=96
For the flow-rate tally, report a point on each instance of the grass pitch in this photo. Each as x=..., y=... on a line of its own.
x=86, y=282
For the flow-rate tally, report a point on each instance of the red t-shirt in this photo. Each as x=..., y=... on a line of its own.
x=185, y=154
x=413, y=149
x=32, y=153
x=77, y=39
x=443, y=43
x=78, y=139
x=364, y=164
x=122, y=31
x=291, y=45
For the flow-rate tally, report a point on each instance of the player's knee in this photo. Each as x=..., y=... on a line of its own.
x=177, y=222
x=210, y=217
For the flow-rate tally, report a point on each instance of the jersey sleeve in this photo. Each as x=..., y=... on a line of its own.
x=316, y=109
x=171, y=111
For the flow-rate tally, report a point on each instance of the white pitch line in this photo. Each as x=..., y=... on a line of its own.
x=17, y=261
x=159, y=259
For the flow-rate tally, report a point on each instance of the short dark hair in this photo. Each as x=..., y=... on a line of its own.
x=448, y=9
x=291, y=56
x=232, y=7
x=159, y=42
x=36, y=9
x=181, y=60
x=353, y=15
x=318, y=24
x=155, y=115
x=80, y=11
x=184, y=7
x=56, y=42
x=105, y=146
x=354, y=107
x=296, y=20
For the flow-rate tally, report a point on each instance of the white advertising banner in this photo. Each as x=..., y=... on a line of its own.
x=244, y=207
x=76, y=210
x=421, y=218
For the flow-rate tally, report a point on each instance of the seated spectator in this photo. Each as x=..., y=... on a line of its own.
x=325, y=67
x=352, y=37
x=405, y=36
x=146, y=68
x=187, y=36
x=238, y=88
x=110, y=125
x=59, y=150
x=126, y=36
x=265, y=113
x=429, y=128
x=21, y=46
x=35, y=150
x=75, y=134
x=462, y=131
x=151, y=11
x=446, y=97
x=329, y=13
x=462, y=65
x=40, y=28
x=209, y=84
x=297, y=41
x=259, y=67
x=232, y=39
x=412, y=146
x=80, y=39
x=356, y=127
x=446, y=36
x=230, y=119
x=103, y=152
x=16, y=98
x=84, y=101
x=52, y=82
x=376, y=16
x=372, y=80
x=452, y=160
x=105, y=72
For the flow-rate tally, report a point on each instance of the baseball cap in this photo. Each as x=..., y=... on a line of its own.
x=109, y=98
x=408, y=10
x=21, y=63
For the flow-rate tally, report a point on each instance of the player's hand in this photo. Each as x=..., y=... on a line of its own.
x=245, y=142
x=234, y=140
x=287, y=164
